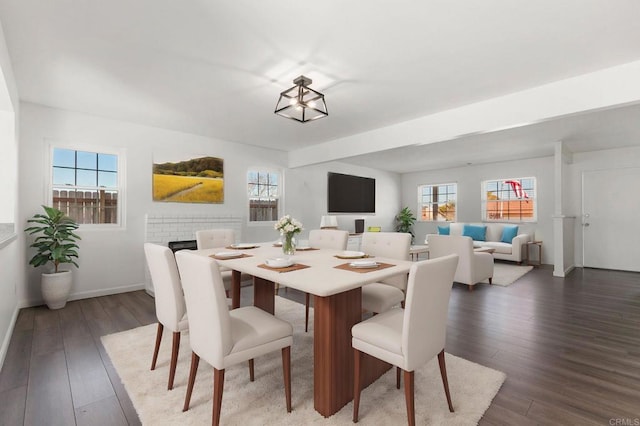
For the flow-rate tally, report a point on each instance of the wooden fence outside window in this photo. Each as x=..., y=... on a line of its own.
x=88, y=206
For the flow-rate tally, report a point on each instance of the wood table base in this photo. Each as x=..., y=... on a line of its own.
x=333, y=355
x=235, y=289
x=264, y=292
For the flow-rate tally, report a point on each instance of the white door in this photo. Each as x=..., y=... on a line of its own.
x=610, y=219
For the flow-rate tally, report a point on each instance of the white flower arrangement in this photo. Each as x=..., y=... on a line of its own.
x=288, y=225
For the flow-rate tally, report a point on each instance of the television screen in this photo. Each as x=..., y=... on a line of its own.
x=350, y=194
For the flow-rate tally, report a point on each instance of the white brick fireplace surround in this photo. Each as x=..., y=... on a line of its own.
x=162, y=228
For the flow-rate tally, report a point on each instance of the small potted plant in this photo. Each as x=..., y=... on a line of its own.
x=404, y=221
x=56, y=244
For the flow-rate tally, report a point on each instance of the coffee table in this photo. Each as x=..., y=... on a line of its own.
x=415, y=251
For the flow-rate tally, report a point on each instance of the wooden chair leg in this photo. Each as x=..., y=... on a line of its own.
x=195, y=360
x=445, y=382
x=490, y=280
x=218, y=387
x=356, y=384
x=157, y=348
x=409, y=397
x=174, y=358
x=470, y=287
x=306, y=312
x=286, y=372
x=397, y=377
x=251, y=375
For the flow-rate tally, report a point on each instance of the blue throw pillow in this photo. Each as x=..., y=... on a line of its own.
x=476, y=232
x=443, y=230
x=509, y=232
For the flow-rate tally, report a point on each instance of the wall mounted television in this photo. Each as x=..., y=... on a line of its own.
x=350, y=194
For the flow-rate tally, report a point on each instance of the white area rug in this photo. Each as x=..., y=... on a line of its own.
x=505, y=274
x=263, y=403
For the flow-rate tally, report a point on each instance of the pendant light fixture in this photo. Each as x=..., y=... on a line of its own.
x=301, y=103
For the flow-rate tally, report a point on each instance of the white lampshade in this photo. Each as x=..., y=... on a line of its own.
x=328, y=222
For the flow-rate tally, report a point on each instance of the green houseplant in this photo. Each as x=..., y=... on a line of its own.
x=55, y=243
x=404, y=222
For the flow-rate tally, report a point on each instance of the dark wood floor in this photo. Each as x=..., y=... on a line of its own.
x=570, y=348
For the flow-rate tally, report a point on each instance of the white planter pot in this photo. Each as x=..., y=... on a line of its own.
x=56, y=289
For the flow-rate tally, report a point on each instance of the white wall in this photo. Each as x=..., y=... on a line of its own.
x=112, y=260
x=306, y=190
x=10, y=253
x=596, y=160
x=469, y=194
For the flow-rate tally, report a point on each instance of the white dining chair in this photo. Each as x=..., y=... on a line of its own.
x=219, y=238
x=214, y=238
x=382, y=296
x=169, y=300
x=324, y=239
x=408, y=338
x=222, y=337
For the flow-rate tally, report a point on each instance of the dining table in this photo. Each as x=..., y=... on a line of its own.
x=337, y=290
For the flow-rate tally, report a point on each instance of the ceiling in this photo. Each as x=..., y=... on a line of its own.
x=216, y=68
x=594, y=131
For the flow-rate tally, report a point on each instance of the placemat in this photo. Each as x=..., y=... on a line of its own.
x=231, y=258
x=348, y=267
x=306, y=248
x=366, y=256
x=242, y=248
x=294, y=267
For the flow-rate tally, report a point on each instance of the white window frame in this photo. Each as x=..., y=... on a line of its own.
x=421, y=204
x=280, y=197
x=532, y=196
x=120, y=153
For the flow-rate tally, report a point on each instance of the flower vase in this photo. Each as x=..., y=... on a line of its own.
x=288, y=244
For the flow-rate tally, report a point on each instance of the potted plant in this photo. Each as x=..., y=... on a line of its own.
x=404, y=221
x=56, y=244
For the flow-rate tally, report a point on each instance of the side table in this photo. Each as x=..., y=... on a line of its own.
x=534, y=244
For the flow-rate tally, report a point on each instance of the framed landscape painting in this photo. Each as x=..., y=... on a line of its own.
x=189, y=180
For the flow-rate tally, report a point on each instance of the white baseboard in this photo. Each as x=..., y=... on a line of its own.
x=89, y=294
x=7, y=338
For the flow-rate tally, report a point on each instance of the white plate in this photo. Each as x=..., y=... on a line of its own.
x=228, y=254
x=243, y=245
x=364, y=264
x=352, y=254
x=303, y=248
x=279, y=262
x=278, y=244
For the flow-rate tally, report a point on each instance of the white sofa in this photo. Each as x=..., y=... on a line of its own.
x=514, y=251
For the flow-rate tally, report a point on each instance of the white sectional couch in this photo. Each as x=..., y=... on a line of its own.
x=514, y=251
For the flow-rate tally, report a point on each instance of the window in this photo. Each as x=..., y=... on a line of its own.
x=437, y=202
x=85, y=185
x=509, y=200
x=264, y=196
